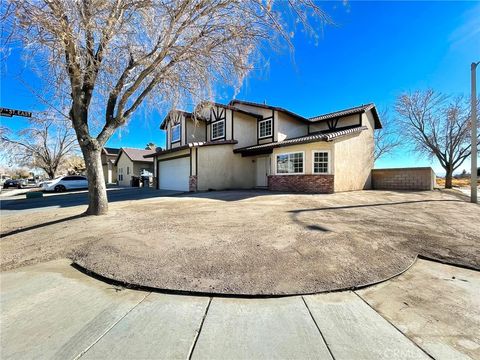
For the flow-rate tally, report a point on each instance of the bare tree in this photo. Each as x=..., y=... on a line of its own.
x=387, y=138
x=44, y=144
x=117, y=54
x=437, y=126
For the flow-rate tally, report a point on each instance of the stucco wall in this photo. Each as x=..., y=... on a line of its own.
x=244, y=130
x=219, y=168
x=122, y=164
x=354, y=158
x=422, y=178
x=195, y=130
x=288, y=127
x=134, y=169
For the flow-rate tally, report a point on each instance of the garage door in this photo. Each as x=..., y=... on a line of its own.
x=174, y=174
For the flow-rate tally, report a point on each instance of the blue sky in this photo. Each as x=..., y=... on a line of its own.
x=376, y=51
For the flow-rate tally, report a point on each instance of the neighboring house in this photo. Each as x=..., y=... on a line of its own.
x=132, y=163
x=109, y=156
x=245, y=145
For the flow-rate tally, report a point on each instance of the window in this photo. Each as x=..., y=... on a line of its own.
x=321, y=162
x=68, y=178
x=128, y=170
x=291, y=163
x=265, y=128
x=176, y=133
x=120, y=177
x=218, y=129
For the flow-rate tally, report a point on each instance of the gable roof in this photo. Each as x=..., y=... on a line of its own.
x=318, y=136
x=164, y=121
x=135, y=154
x=111, y=151
x=265, y=106
x=351, y=111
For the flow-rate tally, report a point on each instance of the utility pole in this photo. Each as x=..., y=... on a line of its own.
x=473, y=179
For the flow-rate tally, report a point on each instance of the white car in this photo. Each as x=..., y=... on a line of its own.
x=64, y=183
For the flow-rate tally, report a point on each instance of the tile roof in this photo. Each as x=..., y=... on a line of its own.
x=350, y=111
x=137, y=154
x=319, y=136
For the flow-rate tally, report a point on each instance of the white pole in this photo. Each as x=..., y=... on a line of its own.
x=473, y=178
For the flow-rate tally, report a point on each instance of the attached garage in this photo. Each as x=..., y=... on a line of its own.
x=174, y=174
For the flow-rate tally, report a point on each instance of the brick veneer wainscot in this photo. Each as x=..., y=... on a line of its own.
x=322, y=184
x=192, y=183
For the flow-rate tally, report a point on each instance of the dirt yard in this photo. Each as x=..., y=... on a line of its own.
x=252, y=242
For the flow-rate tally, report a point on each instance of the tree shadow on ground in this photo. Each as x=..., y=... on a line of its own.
x=38, y=226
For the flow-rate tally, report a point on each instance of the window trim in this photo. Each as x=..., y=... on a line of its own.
x=288, y=153
x=179, y=134
x=329, y=165
x=271, y=128
x=211, y=130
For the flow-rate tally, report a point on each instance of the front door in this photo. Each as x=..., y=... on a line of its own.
x=262, y=171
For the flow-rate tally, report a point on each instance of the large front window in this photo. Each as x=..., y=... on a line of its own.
x=320, y=162
x=291, y=163
x=218, y=130
x=176, y=133
x=265, y=128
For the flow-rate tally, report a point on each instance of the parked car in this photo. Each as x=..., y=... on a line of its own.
x=19, y=183
x=64, y=183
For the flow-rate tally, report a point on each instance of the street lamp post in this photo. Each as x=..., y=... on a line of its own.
x=473, y=179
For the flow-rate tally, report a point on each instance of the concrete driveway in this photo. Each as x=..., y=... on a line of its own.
x=53, y=311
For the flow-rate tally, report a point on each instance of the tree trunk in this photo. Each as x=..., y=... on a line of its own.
x=97, y=190
x=448, y=179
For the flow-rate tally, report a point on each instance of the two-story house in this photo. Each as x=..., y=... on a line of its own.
x=246, y=145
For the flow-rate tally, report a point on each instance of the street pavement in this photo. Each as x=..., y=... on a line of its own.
x=54, y=311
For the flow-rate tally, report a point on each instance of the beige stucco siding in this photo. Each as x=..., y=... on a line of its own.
x=219, y=168
x=195, y=130
x=353, y=158
x=288, y=127
x=129, y=168
x=307, y=149
x=245, y=130
x=123, y=164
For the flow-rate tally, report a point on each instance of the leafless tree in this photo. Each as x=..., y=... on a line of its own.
x=437, y=126
x=44, y=144
x=387, y=138
x=117, y=54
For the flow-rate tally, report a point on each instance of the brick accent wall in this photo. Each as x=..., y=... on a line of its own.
x=301, y=183
x=192, y=183
x=422, y=178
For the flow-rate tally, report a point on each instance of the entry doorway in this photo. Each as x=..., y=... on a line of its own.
x=263, y=168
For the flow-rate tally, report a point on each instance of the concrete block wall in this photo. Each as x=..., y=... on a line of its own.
x=418, y=178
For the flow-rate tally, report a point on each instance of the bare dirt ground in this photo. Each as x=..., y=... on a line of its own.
x=252, y=242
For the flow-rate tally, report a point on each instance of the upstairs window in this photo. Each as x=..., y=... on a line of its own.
x=218, y=129
x=176, y=133
x=321, y=162
x=265, y=128
x=291, y=163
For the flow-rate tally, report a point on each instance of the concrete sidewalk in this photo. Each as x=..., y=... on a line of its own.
x=52, y=310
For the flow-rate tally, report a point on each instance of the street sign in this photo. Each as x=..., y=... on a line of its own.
x=11, y=112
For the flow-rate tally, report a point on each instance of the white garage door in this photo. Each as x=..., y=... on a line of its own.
x=174, y=174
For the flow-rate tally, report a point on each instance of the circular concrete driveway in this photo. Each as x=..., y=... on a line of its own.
x=258, y=243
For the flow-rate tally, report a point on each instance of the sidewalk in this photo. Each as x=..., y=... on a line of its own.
x=52, y=310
